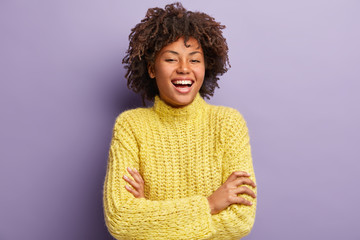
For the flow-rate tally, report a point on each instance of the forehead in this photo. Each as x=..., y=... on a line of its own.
x=191, y=45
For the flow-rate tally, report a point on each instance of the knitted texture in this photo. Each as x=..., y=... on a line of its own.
x=184, y=155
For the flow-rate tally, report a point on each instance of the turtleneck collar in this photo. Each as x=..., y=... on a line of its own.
x=196, y=106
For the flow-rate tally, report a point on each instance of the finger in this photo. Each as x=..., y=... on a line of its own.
x=245, y=190
x=132, y=191
x=136, y=175
x=237, y=174
x=241, y=200
x=131, y=182
x=244, y=180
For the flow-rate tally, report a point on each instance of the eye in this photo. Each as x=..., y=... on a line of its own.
x=195, y=61
x=170, y=60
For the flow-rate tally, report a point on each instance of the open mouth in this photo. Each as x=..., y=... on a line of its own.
x=182, y=83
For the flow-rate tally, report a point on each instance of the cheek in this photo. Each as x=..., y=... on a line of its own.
x=200, y=73
x=162, y=78
x=162, y=71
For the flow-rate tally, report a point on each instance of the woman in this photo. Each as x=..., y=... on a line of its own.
x=190, y=162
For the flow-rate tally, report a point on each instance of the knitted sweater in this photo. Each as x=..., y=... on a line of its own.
x=184, y=155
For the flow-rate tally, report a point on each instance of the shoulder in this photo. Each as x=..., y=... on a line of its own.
x=131, y=120
x=227, y=115
x=133, y=115
x=230, y=122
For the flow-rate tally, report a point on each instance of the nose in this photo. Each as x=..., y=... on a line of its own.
x=183, y=67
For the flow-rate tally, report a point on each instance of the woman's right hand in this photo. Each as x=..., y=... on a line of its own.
x=227, y=193
x=138, y=183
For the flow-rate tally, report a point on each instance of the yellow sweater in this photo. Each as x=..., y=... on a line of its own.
x=183, y=155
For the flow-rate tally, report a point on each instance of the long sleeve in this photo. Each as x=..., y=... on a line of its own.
x=237, y=220
x=128, y=217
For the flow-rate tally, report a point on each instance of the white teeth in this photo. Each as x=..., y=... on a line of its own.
x=182, y=82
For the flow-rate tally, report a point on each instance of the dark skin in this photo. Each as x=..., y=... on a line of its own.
x=219, y=200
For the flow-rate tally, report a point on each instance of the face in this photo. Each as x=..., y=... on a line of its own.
x=179, y=72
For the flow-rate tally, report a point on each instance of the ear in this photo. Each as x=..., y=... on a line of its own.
x=151, y=70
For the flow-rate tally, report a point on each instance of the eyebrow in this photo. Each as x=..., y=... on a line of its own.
x=176, y=53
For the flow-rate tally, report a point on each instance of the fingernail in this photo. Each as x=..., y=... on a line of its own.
x=135, y=169
x=129, y=169
x=126, y=177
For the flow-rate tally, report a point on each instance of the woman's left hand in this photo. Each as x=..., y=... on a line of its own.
x=137, y=183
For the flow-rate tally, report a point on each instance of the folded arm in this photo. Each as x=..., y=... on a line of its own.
x=237, y=220
x=128, y=217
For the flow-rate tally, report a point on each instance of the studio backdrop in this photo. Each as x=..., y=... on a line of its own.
x=294, y=76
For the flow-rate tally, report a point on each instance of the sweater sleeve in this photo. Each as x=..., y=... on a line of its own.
x=237, y=220
x=127, y=217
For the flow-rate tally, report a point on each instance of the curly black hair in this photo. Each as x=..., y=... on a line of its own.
x=161, y=27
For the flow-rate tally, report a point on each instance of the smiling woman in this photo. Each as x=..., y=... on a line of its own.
x=179, y=71
x=190, y=162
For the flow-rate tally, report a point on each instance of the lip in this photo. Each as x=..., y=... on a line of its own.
x=183, y=90
x=182, y=78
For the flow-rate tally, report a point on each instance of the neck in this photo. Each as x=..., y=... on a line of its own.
x=188, y=111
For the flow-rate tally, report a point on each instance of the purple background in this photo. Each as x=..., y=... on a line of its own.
x=295, y=77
